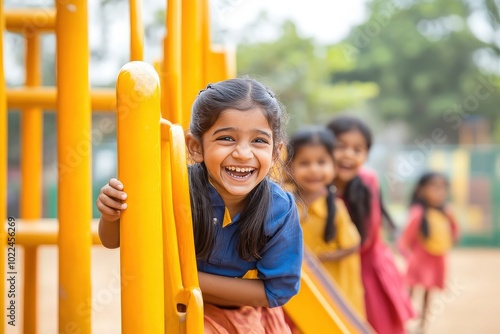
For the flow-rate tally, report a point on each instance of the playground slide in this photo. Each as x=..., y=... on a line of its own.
x=320, y=306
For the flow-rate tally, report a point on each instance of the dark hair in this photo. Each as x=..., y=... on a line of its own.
x=357, y=195
x=317, y=136
x=242, y=94
x=416, y=199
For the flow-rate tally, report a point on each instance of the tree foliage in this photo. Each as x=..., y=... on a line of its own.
x=430, y=66
x=299, y=70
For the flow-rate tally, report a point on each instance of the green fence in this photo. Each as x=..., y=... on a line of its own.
x=474, y=175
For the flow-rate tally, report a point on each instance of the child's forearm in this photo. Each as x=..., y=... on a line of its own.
x=337, y=255
x=109, y=233
x=228, y=291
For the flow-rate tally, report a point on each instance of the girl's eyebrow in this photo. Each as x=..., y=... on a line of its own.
x=231, y=129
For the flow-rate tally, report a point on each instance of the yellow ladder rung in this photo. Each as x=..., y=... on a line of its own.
x=27, y=20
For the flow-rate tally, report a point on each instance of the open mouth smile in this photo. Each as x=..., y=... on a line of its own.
x=240, y=172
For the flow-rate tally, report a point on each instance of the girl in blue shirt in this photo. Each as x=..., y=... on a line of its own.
x=247, y=234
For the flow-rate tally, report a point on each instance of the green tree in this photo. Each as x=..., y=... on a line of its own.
x=298, y=70
x=428, y=64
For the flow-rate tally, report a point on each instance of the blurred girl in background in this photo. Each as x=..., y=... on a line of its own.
x=429, y=235
x=327, y=228
x=387, y=303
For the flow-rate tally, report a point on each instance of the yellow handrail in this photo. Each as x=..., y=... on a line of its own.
x=184, y=224
x=139, y=170
x=172, y=269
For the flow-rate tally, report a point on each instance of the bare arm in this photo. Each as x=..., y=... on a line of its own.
x=109, y=233
x=228, y=291
x=337, y=254
x=110, y=204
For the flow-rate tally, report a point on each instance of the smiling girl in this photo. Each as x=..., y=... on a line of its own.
x=328, y=230
x=247, y=234
x=387, y=303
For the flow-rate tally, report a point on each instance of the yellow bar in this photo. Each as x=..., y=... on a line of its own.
x=191, y=56
x=171, y=76
x=31, y=179
x=184, y=223
x=3, y=168
x=136, y=30
x=38, y=232
x=74, y=183
x=172, y=267
x=46, y=98
x=219, y=66
x=205, y=42
x=28, y=21
x=139, y=169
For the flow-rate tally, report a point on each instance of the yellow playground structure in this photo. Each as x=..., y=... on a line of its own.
x=152, y=106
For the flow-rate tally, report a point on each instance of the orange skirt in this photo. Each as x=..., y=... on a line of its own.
x=245, y=320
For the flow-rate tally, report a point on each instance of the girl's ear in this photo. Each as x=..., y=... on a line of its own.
x=280, y=153
x=194, y=148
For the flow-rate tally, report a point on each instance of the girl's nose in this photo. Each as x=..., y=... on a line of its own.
x=242, y=152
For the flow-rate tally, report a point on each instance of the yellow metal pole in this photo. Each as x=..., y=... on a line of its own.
x=205, y=42
x=171, y=89
x=31, y=182
x=136, y=30
x=191, y=56
x=3, y=169
x=139, y=164
x=74, y=184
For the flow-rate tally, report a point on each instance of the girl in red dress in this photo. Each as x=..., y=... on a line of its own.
x=429, y=235
x=388, y=305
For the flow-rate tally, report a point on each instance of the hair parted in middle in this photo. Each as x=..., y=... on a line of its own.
x=242, y=94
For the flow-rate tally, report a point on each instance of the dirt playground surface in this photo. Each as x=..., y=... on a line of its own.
x=470, y=304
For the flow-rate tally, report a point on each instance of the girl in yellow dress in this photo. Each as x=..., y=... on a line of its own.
x=327, y=228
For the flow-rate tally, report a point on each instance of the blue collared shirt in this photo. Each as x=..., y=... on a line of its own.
x=281, y=258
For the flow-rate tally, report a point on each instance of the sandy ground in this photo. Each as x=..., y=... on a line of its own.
x=470, y=304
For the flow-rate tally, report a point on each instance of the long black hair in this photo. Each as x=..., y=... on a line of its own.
x=357, y=195
x=317, y=136
x=417, y=199
x=242, y=94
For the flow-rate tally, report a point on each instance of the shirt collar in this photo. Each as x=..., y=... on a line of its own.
x=216, y=201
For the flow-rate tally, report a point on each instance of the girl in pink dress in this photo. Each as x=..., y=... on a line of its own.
x=388, y=305
x=429, y=235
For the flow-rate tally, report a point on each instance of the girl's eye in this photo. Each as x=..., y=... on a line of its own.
x=261, y=140
x=225, y=138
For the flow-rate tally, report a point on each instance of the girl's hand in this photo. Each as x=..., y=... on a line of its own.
x=110, y=201
x=336, y=255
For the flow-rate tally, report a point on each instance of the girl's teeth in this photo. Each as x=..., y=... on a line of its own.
x=239, y=169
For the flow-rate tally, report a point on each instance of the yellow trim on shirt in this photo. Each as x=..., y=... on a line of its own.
x=227, y=218
x=251, y=274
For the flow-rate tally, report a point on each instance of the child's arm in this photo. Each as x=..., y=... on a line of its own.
x=110, y=204
x=455, y=233
x=410, y=234
x=337, y=255
x=229, y=291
